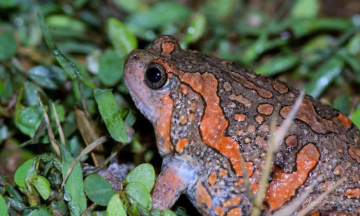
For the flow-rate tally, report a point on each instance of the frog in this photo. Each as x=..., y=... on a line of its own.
x=209, y=114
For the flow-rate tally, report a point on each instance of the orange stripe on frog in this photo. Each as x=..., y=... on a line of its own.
x=283, y=185
x=214, y=123
x=162, y=126
x=202, y=196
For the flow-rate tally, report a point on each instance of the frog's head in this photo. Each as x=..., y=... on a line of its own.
x=147, y=79
x=149, y=76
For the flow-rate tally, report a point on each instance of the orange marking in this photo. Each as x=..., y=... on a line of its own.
x=181, y=144
x=251, y=129
x=212, y=178
x=233, y=202
x=315, y=214
x=247, y=84
x=185, y=90
x=219, y=210
x=259, y=119
x=223, y=172
x=167, y=48
x=265, y=109
x=162, y=126
x=338, y=170
x=291, y=141
x=167, y=188
x=239, y=117
x=227, y=86
x=234, y=212
x=326, y=186
x=284, y=185
x=260, y=141
x=214, y=123
x=202, y=196
x=354, y=153
x=264, y=128
x=247, y=103
x=308, y=115
x=182, y=119
x=191, y=117
x=352, y=193
x=343, y=121
x=279, y=87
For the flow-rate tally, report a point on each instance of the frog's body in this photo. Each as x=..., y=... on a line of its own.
x=210, y=112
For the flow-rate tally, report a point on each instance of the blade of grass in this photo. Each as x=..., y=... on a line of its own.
x=321, y=197
x=68, y=66
x=246, y=179
x=88, y=149
x=294, y=205
x=287, y=122
x=49, y=130
x=39, y=130
x=273, y=146
x=89, y=135
x=62, y=137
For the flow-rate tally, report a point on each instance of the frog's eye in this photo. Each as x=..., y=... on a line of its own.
x=155, y=76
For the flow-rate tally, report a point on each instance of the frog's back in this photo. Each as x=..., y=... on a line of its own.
x=320, y=141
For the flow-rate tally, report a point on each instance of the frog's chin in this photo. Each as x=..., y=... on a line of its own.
x=145, y=110
x=143, y=107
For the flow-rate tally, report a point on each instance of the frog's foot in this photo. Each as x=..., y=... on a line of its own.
x=173, y=180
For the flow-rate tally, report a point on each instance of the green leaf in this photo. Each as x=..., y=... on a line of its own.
x=342, y=103
x=60, y=110
x=305, y=9
x=42, y=185
x=219, y=9
x=324, y=76
x=3, y=206
x=353, y=47
x=302, y=27
x=98, y=189
x=278, y=64
x=196, y=29
x=28, y=119
x=8, y=45
x=139, y=194
x=30, y=95
x=130, y=6
x=59, y=206
x=46, y=33
x=115, y=207
x=160, y=15
x=8, y=3
x=20, y=174
x=122, y=39
x=165, y=212
x=111, y=68
x=255, y=49
x=144, y=174
x=316, y=48
x=42, y=211
x=111, y=114
x=65, y=23
x=74, y=186
x=50, y=77
x=355, y=117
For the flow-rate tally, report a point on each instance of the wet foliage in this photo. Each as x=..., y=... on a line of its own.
x=65, y=112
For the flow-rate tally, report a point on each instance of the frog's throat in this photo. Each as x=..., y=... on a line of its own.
x=144, y=109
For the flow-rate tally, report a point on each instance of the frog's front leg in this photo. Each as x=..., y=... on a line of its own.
x=175, y=177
